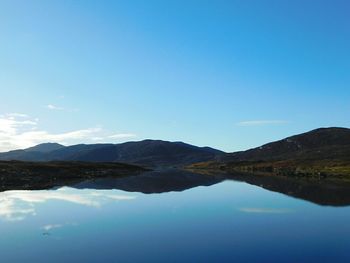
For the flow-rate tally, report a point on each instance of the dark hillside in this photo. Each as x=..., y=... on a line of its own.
x=321, y=143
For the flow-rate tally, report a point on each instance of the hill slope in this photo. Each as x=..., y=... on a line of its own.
x=323, y=143
x=320, y=152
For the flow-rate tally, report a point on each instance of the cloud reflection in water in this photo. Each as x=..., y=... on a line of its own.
x=17, y=205
x=261, y=210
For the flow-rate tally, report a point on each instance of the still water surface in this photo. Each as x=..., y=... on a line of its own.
x=226, y=222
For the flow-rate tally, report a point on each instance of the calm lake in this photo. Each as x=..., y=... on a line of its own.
x=139, y=220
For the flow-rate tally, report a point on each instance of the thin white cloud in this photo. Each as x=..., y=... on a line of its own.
x=53, y=107
x=23, y=132
x=20, y=115
x=122, y=136
x=10, y=124
x=261, y=122
x=260, y=210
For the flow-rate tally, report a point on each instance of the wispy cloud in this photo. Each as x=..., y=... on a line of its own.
x=261, y=210
x=19, y=115
x=9, y=124
x=19, y=132
x=261, y=122
x=54, y=107
x=122, y=136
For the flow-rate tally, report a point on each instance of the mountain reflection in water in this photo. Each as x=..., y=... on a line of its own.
x=322, y=192
x=154, y=182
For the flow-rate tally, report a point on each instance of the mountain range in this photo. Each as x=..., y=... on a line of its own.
x=317, y=152
x=149, y=153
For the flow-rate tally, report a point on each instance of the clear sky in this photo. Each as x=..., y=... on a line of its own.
x=227, y=74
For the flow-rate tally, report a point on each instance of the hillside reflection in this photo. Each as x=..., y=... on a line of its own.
x=322, y=192
x=154, y=182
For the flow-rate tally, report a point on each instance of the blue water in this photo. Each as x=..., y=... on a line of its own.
x=226, y=222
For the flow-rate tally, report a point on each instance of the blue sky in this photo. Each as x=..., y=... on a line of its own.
x=227, y=74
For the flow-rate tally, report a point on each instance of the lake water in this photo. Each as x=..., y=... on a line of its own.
x=227, y=221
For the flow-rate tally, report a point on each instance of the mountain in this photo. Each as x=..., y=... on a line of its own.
x=45, y=147
x=72, y=153
x=152, y=153
x=35, y=153
x=320, y=152
x=322, y=143
x=22, y=155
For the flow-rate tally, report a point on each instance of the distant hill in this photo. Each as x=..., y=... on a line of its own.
x=71, y=153
x=45, y=147
x=320, y=152
x=323, y=143
x=35, y=153
x=152, y=153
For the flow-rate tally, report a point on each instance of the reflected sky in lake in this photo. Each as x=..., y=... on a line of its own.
x=225, y=222
x=17, y=205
